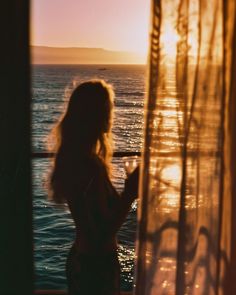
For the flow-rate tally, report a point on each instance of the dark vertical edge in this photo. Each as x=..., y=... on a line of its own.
x=232, y=131
x=222, y=150
x=183, y=12
x=16, y=247
x=228, y=267
x=153, y=64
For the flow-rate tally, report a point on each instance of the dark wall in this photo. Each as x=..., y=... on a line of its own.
x=16, y=261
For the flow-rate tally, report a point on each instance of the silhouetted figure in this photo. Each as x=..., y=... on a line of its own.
x=81, y=178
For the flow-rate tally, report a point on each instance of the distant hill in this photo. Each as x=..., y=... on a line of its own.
x=82, y=55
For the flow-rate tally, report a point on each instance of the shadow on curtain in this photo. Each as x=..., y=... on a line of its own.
x=185, y=237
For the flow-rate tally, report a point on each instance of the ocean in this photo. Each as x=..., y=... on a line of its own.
x=54, y=230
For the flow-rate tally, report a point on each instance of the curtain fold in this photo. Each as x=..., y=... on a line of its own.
x=228, y=240
x=186, y=226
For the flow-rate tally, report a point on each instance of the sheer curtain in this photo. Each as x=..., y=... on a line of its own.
x=186, y=239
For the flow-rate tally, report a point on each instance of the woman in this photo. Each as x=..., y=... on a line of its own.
x=81, y=178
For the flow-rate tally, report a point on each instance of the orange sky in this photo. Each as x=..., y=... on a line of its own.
x=109, y=24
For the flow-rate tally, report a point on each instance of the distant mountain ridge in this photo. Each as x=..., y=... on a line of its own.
x=82, y=55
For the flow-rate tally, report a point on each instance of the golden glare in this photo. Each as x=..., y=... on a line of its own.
x=172, y=174
x=193, y=45
x=169, y=39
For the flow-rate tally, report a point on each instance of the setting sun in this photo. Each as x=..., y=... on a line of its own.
x=169, y=39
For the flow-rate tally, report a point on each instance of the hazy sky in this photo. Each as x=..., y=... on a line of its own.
x=110, y=24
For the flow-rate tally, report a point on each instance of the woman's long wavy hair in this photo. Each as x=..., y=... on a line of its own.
x=84, y=131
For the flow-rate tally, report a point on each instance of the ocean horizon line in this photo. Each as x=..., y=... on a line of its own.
x=88, y=64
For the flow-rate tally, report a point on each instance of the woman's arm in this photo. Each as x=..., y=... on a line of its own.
x=113, y=218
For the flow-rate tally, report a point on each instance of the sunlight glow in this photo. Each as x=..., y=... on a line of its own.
x=193, y=45
x=169, y=39
x=172, y=174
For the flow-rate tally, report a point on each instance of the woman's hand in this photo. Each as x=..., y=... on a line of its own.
x=131, y=184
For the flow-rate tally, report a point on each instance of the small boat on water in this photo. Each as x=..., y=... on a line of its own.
x=102, y=69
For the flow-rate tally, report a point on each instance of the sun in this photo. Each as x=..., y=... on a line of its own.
x=168, y=40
